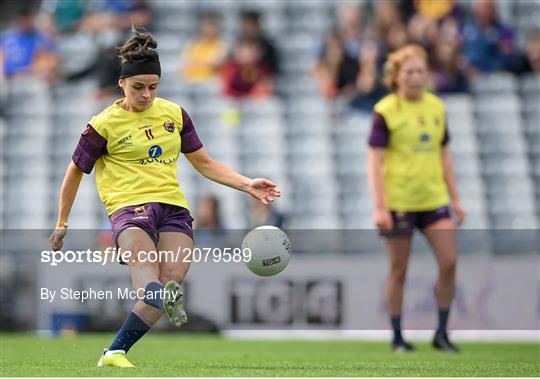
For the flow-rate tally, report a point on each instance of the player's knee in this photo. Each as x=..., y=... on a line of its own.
x=169, y=275
x=448, y=266
x=397, y=274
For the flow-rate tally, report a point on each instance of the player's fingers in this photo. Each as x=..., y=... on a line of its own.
x=57, y=241
x=388, y=223
x=461, y=217
x=264, y=201
x=268, y=183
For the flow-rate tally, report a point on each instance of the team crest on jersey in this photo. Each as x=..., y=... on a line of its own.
x=169, y=126
x=139, y=212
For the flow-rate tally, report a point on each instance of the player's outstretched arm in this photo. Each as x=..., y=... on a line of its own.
x=68, y=191
x=450, y=179
x=261, y=189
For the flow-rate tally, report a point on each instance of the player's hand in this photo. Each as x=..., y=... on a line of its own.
x=383, y=219
x=56, y=240
x=263, y=190
x=458, y=211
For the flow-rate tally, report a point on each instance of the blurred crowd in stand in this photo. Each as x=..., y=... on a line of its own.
x=348, y=61
x=462, y=46
x=464, y=41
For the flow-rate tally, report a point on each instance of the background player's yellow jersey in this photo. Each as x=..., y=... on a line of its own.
x=135, y=153
x=413, y=134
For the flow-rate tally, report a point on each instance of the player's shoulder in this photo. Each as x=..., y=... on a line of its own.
x=168, y=109
x=165, y=104
x=433, y=100
x=100, y=121
x=387, y=104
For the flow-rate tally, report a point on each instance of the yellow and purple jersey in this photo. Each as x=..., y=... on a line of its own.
x=413, y=134
x=135, y=153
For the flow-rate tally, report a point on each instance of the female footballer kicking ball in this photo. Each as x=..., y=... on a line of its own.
x=134, y=145
x=413, y=184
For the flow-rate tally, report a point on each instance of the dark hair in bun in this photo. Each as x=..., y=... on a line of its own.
x=140, y=47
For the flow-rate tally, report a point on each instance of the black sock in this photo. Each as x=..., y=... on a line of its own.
x=396, y=326
x=443, y=319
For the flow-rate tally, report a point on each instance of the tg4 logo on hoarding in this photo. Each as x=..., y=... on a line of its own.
x=286, y=302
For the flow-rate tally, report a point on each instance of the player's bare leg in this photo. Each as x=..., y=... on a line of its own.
x=442, y=238
x=398, y=251
x=173, y=269
x=145, y=277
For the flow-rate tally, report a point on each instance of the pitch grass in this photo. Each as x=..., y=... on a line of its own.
x=186, y=355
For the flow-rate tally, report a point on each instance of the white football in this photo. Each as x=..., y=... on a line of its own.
x=270, y=250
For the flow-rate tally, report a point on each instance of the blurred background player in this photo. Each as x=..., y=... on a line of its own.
x=135, y=144
x=413, y=184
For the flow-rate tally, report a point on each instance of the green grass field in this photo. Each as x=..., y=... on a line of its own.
x=181, y=355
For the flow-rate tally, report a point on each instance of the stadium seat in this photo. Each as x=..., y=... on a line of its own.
x=498, y=83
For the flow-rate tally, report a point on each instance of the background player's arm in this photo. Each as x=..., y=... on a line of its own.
x=450, y=179
x=262, y=189
x=68, y=191
x=383, y=219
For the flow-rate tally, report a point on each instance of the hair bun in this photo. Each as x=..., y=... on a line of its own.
x=139, y=47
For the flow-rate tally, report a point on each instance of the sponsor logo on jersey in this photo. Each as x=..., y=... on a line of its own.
x=424, y=137
x=155, y=151
x=169, y=126
x=157, y=160
x=125, y=140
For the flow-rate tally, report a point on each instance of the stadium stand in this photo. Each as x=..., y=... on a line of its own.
x=313, y=148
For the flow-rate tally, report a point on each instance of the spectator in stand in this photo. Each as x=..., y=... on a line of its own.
x=530, y=61
x=209, y=226
x=447, y=74
x=395, y=39
x=264, y=215
x=203, y=57
x=250, y=27
x=245, y=74
x=439, y=10
x=25, y=50
x=336, y=71
x=64, y=16
x=423, y=31
x=357, y=80
x=351, y=28
x=385, y=19
x=488, y=44
x=369, y=88
x=117, y=15
x=350, y=31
